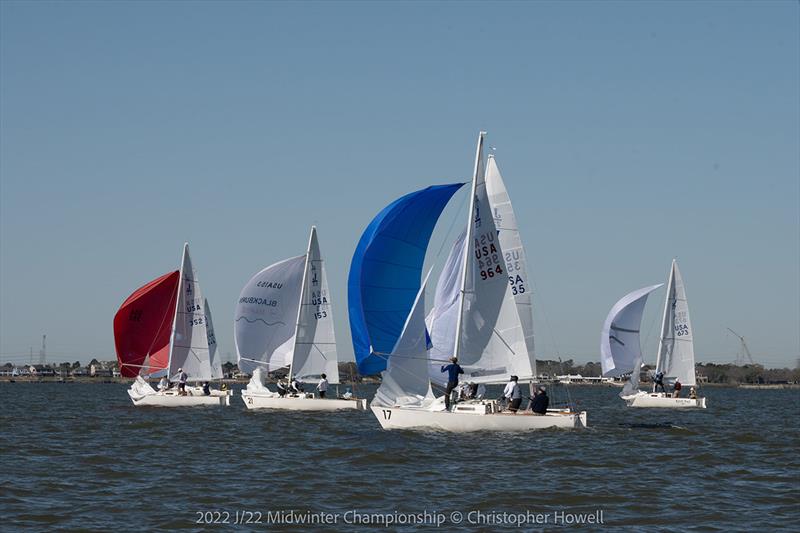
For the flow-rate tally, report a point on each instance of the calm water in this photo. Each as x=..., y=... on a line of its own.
x=81, y=456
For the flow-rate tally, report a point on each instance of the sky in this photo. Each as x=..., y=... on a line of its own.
x=628, y=133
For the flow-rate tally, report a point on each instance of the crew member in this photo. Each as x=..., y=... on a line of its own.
x=453, y=370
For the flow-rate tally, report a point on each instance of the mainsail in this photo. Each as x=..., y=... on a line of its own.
x=143, y=326
x=676, y=347
x=385, y=273
x=190, y=338
x=517, y=330
x=315, y=343
x=266, y=316
x=215, y=360
x=620, y=348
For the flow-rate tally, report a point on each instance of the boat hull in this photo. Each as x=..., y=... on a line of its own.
x=663, y=401
x=169, y=399
x=300, y=403
x=405, y=418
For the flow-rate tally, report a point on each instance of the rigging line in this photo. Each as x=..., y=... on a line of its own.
x=544, y=314
x=452, y=225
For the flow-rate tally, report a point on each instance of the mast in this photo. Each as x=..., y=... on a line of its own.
x=302, y=294
x=177, y=303
x=670, y=288
x=468, y=240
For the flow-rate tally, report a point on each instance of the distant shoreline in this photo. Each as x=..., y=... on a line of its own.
x=244, y=381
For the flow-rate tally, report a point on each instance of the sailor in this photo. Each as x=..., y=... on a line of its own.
x=322, y=386
x=295, y=387
x=453, y=370
x=281, y=387
x=182, y=377
x=513, y=394
x=464, y=392
x=693, y=393
x=347, y=394
x=206, y=389
x=540, y=402
x=659, y=382
x=676, y=389
x=163, y=384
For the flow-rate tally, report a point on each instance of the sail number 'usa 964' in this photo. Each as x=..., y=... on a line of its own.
x=489, y=263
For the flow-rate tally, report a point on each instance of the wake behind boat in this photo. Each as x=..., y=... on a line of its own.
x=284, y=319
x=481, y=313
x=621, y=349
x=164, y=329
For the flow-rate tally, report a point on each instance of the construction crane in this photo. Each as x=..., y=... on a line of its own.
x=745, y=351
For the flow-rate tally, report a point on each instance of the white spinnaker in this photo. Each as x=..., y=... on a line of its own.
x=214, y=360
x=266, y=316
x=190, y=339
x=315, y=346
x=676, y=348
x=484, y=354
x=443, y=317
x=405, y=381
x=620, y=346
x=516, y=331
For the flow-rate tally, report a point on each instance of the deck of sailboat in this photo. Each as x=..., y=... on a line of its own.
x=460, y=421
x=300, y=403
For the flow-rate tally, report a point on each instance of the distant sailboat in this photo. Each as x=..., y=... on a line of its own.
x=621, y=351
x=161, y=328
x=481, y=311
x=284, y=320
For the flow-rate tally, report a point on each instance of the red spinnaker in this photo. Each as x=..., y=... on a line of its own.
x=143, y=326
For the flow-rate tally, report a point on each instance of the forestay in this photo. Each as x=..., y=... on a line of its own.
x=676, y=347
x=266, y=316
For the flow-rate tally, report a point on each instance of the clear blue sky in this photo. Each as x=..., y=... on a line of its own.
x=627, y=133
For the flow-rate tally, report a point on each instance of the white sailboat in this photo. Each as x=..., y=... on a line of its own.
x=161, y=329
x=481, y=312
x=621, y=351
x=284, y=319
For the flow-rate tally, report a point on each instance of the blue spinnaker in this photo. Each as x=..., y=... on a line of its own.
x=386, y=271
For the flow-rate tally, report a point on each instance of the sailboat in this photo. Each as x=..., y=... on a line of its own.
x=284, y=319
x=481, y=312
x=621, y=350
x=162, y=327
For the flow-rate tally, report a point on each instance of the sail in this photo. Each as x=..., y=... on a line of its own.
x=385, y=272
x=485, y=355
x=315, y=346
x=143, y=326
x=442, y=320
x=266, y=316
x=215, y=360
x=190, y=339
x=517, y=330
x=676, y=348
x=405, y=380
x=620, y=349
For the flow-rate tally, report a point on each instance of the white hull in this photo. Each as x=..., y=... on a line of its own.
x=409, y=418
x=663, y=400
x=300, y=403
x=172, y=399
